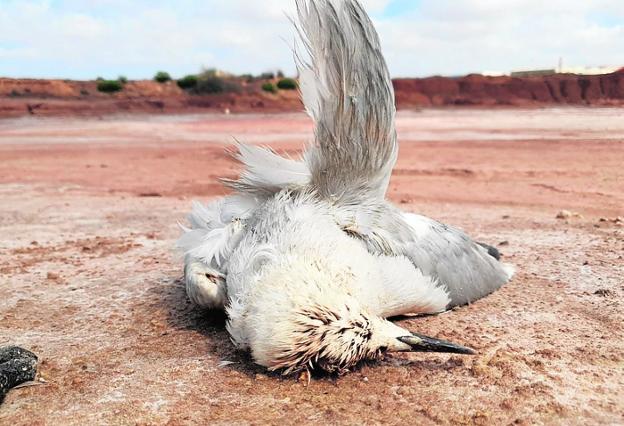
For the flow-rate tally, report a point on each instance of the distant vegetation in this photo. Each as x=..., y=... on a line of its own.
x=217, y=85
x=247, y=77
x=188, y=82
x=211, y=81
x=162, y=77
x=109, y=86
x=269, y=87
x=267, y=76
x=210, y=85
x=287, y=84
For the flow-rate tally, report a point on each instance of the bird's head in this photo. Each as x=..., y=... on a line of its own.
x=336, y=340
x=293, y=328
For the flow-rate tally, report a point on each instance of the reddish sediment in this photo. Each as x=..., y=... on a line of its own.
x=89, y=280
x=557, y=89
x=19, y=97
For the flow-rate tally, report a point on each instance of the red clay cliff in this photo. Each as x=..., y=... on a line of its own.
x=67, y=97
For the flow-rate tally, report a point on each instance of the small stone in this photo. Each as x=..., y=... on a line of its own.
x=567, y=214
x=564, y=214
x=52, y=276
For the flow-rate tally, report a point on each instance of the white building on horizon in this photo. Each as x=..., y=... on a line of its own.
x=560, y=69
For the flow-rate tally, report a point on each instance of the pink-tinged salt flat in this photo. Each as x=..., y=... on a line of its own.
x=89, y=279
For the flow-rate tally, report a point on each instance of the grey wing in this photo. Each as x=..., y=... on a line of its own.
x=347, y=89
x=462, y=266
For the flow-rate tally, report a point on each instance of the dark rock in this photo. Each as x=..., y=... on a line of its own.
x=17, y=366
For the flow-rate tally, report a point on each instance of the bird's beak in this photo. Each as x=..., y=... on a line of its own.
x=421, y=343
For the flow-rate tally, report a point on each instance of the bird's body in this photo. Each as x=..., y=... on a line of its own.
x=307, y=257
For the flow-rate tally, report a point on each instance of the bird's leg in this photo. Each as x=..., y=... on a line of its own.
x=205, y=286
x=305, y=377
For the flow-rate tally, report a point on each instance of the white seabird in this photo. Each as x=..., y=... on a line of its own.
x=307, y=257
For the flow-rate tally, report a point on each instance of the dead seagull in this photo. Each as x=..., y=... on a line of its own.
x=307, y=257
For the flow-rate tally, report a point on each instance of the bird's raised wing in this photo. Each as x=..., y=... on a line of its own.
x=346, y=88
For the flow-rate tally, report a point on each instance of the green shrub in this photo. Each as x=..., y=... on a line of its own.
x=269, y=87
x=287, y=84
x=109, y=86
x=188, y=82
x=122, y=79
x=162, y=77
x=207, y=85
x=210, y=85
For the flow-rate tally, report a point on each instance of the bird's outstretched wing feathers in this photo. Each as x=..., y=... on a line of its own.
x=346, y=88
x=265, y=172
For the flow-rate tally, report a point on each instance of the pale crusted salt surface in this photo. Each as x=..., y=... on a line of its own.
x=89, y=281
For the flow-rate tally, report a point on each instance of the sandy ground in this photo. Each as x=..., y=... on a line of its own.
x=90, y=282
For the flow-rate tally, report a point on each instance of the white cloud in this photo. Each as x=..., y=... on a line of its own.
x=78, y=39
x=464, y=36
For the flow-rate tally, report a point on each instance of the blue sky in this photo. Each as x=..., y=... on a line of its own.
x=88, y=38
x=398, y=8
